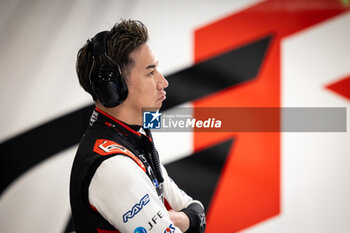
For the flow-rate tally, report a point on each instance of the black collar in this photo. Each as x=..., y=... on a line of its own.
x=142, y=143
x=129, y=132
x=121, y=125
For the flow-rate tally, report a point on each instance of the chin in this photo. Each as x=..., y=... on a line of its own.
x=153, y=107
x=157, y=105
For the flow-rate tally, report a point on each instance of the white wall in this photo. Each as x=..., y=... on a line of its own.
x=39, y=40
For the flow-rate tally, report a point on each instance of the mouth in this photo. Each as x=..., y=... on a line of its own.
x=162, y=97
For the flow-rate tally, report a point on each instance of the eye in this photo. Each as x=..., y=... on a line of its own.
x=151, y=73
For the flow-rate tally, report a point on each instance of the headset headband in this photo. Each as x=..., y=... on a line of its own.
x=99, y=44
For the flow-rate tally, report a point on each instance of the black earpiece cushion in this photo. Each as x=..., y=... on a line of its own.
x=110, y=87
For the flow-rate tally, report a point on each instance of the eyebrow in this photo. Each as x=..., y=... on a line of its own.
x=152, y=66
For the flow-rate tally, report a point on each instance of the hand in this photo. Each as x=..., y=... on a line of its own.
x=179, y=219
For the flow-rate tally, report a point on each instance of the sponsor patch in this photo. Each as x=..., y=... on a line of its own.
x=136, y=208
x=154, y=220
x=140, y=230
x=170, y=229
x=108, y=147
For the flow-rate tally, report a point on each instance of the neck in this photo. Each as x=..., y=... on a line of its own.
x=126, y=114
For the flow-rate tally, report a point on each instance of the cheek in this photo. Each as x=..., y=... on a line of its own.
x=148, y=88
x=134, y=88
x=148, y=93
x=142, y=90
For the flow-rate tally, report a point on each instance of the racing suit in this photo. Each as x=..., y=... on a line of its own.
x=118, y=185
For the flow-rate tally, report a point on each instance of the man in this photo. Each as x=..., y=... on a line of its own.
x=117, y=183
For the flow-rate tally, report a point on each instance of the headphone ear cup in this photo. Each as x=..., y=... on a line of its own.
x=110, y=87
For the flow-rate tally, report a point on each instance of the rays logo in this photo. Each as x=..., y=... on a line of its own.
x=136, y=208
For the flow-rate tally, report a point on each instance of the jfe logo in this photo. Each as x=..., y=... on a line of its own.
x=151, y=120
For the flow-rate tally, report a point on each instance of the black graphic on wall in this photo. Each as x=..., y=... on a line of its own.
x=205, y=166
x=203, y=79
x=213, y=75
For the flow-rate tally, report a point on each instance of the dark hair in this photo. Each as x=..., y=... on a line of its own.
x=123, y=39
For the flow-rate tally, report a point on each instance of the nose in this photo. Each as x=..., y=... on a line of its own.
x=163, y=83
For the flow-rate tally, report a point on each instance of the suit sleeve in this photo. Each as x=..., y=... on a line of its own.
x=124, y=195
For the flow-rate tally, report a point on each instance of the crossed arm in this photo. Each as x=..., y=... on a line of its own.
x=117, y=190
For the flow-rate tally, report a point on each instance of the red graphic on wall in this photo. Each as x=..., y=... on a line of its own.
x=341, y=87
x=248, y=191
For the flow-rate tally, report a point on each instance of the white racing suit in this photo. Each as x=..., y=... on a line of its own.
x=117, y=186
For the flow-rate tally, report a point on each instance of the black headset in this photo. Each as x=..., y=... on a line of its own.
x=110, y=88
x=107, y=81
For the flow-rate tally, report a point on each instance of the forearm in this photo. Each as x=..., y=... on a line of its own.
x=190, y=219
x=180, y=219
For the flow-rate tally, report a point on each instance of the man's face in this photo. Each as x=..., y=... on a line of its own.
x=145, y=84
